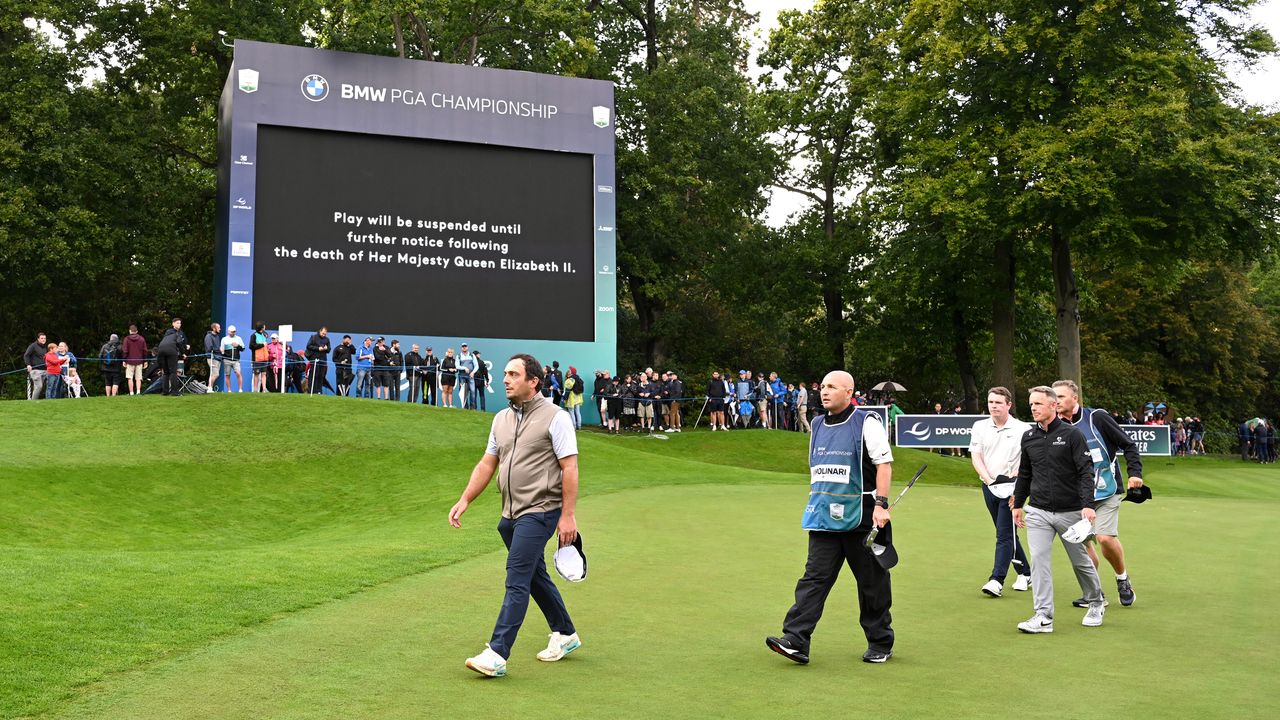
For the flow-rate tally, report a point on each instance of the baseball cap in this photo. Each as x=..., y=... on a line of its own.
x=742, y=372
x=882, y=548
x=1079, y=532
x=571, y=561
x=465, y=345
x=231, y=328
x=1138, y=495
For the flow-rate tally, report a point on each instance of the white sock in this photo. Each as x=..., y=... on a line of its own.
x=1123, y=576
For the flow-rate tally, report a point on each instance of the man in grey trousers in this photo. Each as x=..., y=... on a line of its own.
x=1055, y=482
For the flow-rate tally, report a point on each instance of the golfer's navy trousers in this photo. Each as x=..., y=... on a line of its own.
x=526, y=540
x=1008, y=548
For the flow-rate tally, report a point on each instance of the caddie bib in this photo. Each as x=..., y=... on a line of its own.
x=1104, y=465
x=835, y=475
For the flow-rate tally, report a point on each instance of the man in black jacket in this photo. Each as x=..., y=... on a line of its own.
x=318, y=354
x=342, y=356
x=675, y=392
x=1055, y=481
x=412, y=363
x=213, y=354
x=168, y=356
x=34, y=359
x=430, y=365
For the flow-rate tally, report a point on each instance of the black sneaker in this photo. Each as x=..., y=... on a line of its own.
x=1082, y=603
x=787, y=649
x=1125, y=588
x=876, y=656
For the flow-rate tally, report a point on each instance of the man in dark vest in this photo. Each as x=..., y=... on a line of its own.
x=850, y=469
x=1106, y=440
x=534, y=452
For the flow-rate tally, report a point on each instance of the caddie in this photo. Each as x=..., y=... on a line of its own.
x=850, y=469
x=1104, y=436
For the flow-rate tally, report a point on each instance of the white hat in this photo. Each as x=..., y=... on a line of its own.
x=571, y=561
x=1079, y=532
x=231, y=328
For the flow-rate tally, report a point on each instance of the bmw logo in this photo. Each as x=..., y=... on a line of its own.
x=315, y=88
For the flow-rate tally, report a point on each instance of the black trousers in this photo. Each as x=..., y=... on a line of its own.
x=344, y=377
x=319, y=376
x=429, y=389
x=169, y=366
x=827, y=552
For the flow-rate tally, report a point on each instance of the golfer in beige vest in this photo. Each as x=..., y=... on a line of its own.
x=533, y=449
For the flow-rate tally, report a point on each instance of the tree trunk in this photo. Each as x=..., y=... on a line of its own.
x=1067, y=301
x=1002, y=314
x=647, y=312
x=395, y=22
x=650, y=25
x=832, y=297
x=964, y=358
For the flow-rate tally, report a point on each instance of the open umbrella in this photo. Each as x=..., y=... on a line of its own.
x=889, y=385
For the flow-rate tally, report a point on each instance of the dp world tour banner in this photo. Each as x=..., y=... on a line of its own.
x=953, y=431
x=431, y=203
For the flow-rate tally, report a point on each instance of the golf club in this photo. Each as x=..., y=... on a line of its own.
x=871, y=537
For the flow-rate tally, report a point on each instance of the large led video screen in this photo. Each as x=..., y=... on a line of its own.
x=423, y=237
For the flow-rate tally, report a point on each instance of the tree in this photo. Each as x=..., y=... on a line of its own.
x=691, y=161
x=1090, y=128
x=826, y=64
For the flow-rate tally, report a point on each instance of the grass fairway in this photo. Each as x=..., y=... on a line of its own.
x=253, y=557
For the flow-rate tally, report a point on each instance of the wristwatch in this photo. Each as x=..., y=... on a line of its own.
x=882, y=501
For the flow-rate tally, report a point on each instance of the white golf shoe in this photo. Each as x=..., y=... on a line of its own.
x=559, y=646
x=1093, y=617
x=1037, y=624
x=1022, y=583
x=993, y=588
x=488, y=663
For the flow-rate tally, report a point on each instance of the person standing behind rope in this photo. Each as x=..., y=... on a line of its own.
x=430, y=366
x=675, y=393
x=318, y=354
x=213, y=355
x=259, y=356
x=52, y=364
x=172, y=347
x=34, y=360
x=364, y=369
x=110, y=355
x=1104, y=437
x=802, y=406
x=343, y=372
x=1055, y=483
x=448, y=375
x=573, y=398
x=850, y=470
x=717, y=392
x=412, y=373
x=134, y=352
x=395, y=369
x=995, y=447
x=481, y=380
x=534, y=453
x=231, y=348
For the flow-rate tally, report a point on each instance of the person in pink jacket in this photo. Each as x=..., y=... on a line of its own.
x=275, y=352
